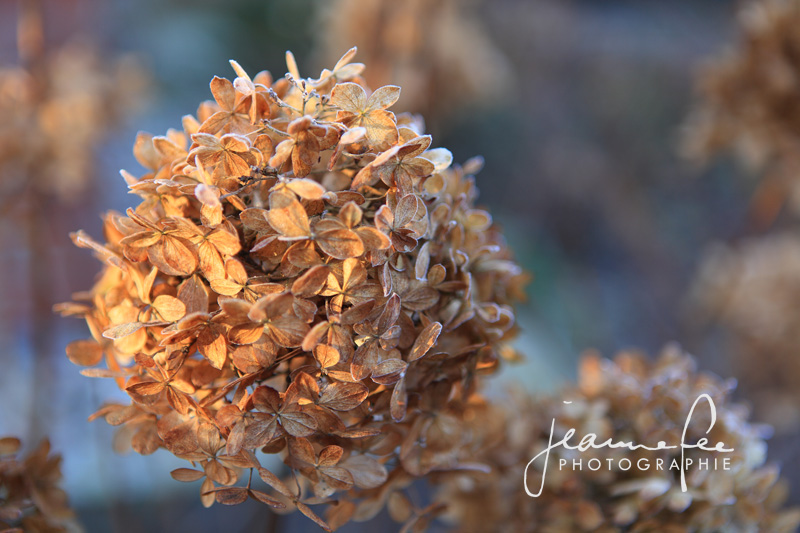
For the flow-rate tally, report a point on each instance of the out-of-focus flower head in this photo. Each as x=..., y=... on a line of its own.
x=752, y=290
x=629, y=399
x=54, y=118
x=748, y=99
x=438, y=51
x=30, y=497
x=305, y=275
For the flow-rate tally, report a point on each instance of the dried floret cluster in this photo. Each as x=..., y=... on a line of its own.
x=305, y=275
x=431, y=48
x=750, y=104
x=54, y=116
x=749, y=97
x=30, y=497
x=753, y=291
x=629, y=399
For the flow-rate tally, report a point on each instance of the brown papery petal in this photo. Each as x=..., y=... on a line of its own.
x=312, y=282
x=298, y=424
x=287, y=215
x=122, y=330
x=425, y=340
x=306, y=188
x=169, y=308
x=341, y=243
x=343, y=396
x=399, y=401
x=85, y=352
x=349, y=97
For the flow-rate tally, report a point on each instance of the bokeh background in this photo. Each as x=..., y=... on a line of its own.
x=578, y=108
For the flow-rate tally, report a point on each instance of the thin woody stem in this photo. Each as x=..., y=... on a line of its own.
x=30, y=32
x=31, y=50
x=250, y=181
x=275, y=130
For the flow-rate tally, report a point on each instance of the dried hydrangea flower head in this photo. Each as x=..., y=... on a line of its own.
x=30, y=497
x=53, y=118
x=751, y=290
x=629, y=399
x=305, y=275
x=749, y=98
x=431, y=48
x=749, y=104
